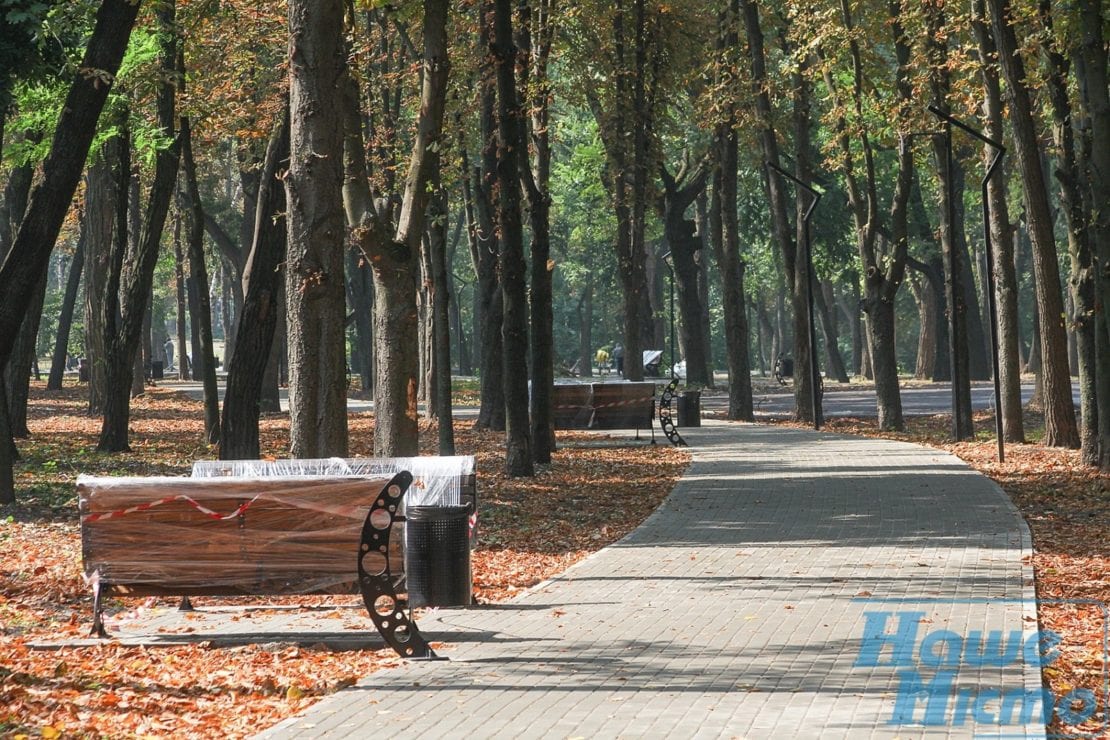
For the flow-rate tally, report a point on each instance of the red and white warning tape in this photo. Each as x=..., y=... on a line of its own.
x=628, y=402
x=170, y=499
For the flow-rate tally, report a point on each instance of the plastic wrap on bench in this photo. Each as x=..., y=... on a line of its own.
x=375, y=579
x=437, y=481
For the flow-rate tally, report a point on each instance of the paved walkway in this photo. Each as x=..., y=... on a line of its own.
x=740, y=609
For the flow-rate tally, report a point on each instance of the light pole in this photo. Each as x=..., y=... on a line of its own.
x=814, y=372
x=668, y=261
x=999, y=152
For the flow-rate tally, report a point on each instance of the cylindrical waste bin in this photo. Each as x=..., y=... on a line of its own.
x=157, y=370
x=437, y=555
x=689, y=409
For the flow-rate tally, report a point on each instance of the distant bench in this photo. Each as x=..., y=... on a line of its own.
x=266, y=534
x=605, y=406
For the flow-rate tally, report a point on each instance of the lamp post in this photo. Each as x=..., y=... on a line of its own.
x=814, y=372
x=999, y=152
x=668, y=261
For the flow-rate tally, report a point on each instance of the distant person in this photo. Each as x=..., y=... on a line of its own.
x=602, y=360
x=618, y=358
x=167, y=349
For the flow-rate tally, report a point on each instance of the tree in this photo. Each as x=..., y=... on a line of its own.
x=314, y=277
x=29, y=256
x=128, y=290
x=261, y=306
x=65, y=317
x=514, y=327
x=725, y=232
x=1002, y=237
x=1060, y=427
x=391, y=248
x=536, y=32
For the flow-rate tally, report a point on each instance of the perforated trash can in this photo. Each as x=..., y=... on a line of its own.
x=689, y=409
x=437, y=555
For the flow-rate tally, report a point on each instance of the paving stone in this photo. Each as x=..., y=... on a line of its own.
x=738, y=609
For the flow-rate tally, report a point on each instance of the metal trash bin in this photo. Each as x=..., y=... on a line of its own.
x=157, y=370
x=437, y=555
x=689, y=409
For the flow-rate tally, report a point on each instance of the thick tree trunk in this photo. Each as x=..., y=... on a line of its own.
x=65, y=317
x=1060, y=426
x=514, y=327
x=1091, y=79
x=254, y=343
x=314, y=277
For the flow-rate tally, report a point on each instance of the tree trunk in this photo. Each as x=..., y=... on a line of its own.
x=514, y=327
x=1060, y=426
x=829, y=332
x=1081, y=308
x=314, y=279
x=360, y=297
x=134, y=227
x=1091, y=79
x=254, y=349
x=1002, y=238
x=926, y=337
x=18, y=374
x=684, y=244
x=441, y=320
x=202, y=319
x=488, y=303
x=127, y=294
x=184, y=369
x=65, y=317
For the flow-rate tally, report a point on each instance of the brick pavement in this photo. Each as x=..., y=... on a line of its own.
x=739, y=609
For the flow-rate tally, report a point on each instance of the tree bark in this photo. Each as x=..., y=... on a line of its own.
x=314, y=277
x=1060, y=426
x=488, y=304
x=1091, y=79
x=254, y=342
x=514, y=327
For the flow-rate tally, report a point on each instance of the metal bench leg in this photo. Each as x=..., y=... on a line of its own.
x=98, y=615
x=375, y=580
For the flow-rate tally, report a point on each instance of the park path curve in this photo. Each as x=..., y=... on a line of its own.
x=738, y=609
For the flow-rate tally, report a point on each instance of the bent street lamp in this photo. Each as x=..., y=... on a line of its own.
x=814, y=373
